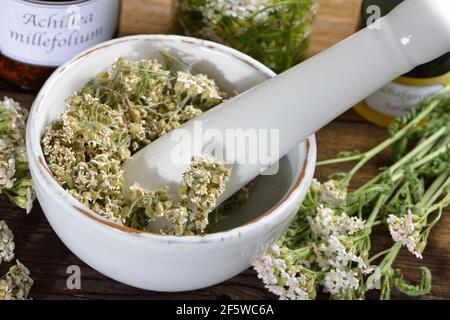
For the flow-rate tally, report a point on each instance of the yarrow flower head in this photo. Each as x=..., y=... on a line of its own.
x=331, y=253
x=331, y=193
x=329, y=222
x=15, y=179
x=283, y=278
x=198, y=87
x=402, y=229
x=201, y=185
x=7, y=164
x=16, y=283
x=6, y=243
x=339, y=282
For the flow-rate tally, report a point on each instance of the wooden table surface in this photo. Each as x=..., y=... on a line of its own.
x=38, y=247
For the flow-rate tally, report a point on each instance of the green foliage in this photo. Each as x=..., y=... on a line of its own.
x=275, y=32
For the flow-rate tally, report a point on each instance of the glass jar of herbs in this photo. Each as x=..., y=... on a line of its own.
x=275, y=32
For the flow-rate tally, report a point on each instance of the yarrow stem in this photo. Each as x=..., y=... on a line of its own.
x=402, y=197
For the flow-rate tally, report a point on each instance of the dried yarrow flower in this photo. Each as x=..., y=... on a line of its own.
x=7, y=164
x=198, y=88
x=15, y=179
x=16, y=283
x=201, y=185
x=115, y=115
x=6, y=243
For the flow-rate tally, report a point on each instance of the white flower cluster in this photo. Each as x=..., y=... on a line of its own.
x=329, y=225
x=402, y=229
x=337, y=263
x=327, y=222
x=289, y=283
x=337, y=281
x=214, y=10
x=331, y=253
x=330, y=193
x=6, y=243
x=16, y=284
x=340, y=277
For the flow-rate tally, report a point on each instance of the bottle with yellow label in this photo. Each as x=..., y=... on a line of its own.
x=395, y=98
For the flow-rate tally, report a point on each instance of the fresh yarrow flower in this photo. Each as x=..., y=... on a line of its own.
x=285, y=278
x=331, y=193
x=329, y=232
x=6, y=243
x=331, y=253
x=15, y=179
x=16, y=283
x=341, y=283
x=402, y=229
x=329, y=222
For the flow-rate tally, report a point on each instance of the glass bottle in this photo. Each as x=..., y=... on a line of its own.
x=38, y=36
x=395, y=98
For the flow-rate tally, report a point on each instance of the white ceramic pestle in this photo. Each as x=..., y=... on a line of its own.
x=305, y=98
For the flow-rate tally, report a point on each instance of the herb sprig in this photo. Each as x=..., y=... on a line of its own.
x=331, y=234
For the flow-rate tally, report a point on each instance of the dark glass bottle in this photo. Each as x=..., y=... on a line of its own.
x=398, y=96
x=38, y=36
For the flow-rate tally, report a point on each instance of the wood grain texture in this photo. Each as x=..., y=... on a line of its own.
x=146, y=16
x=40, y=249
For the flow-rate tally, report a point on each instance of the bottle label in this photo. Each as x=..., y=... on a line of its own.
x=394, y=99
x=50, y=33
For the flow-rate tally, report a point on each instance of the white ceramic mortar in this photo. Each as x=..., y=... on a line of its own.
x=152, y=261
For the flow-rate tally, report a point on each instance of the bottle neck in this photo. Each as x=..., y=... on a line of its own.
x=432, y=69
